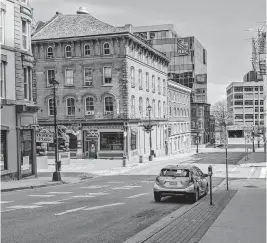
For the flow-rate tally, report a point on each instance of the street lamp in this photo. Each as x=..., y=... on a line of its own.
x=124, y=144
x=253, y=146
x=56, y=174
x=148, y=128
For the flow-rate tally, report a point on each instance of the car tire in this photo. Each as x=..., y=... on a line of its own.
x=195, y=196
x=157, y=196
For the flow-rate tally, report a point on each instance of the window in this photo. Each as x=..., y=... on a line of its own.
x=256, y=102
x=147, y=104
x=147, y=81
x=153, y=108
x=140, y=79
x=111, y=141
x=109, y=105
x=238, y=89
x=70, y=102
x=25, y=35
x=50, y=76
x=164, y=109
x=87, y=51
x=261, y=102
x=159, y=108
x=69, y=77
x=159, y=86
x=49, y=53
x=106, y=49
x=164, y=87
x=68, y=52
x=132, y=77
x=200, y=124
x=3, y=80
x=153, y=84
x=107, y=75
x=27, y=75
x=88, y=77
x=89, y=106
x=2, y=26
x=51, y=107
x=170, y=111
x=133, y=106
x=248, y=89
x=141, y=106
x=261, y=109
x=133, y=140
x=261, y=88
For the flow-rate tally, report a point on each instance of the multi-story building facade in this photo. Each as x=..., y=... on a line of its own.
x=179, y=140
x=246, y=106
x=18, y=106
x=188, y=64
x=107, y=78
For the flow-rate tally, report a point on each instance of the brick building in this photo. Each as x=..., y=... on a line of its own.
x=18, y=94
x=107, y=77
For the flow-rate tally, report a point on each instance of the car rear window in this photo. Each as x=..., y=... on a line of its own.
x=175, y=172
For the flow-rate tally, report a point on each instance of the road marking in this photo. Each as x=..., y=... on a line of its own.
x=103, y=206
x=41, y=195
x=125, y=187
x=115, y=182
x=147, y=181
x=6, y=202
x=97, y=193
x=9, y=210
x=59, y=192
x=47, y=203
x=251, y=172
x=137, y=195
x=263, y=172
x=70, y=211
x=24, y=206
x=81, y=196
x=233, y=169
x=94, y=187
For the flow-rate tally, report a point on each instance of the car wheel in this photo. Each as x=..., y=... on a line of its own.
x=157, y=197
x=195, y=196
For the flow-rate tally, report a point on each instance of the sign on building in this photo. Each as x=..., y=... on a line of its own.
x=45, y=137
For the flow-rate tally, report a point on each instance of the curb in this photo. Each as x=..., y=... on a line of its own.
x=164, y=222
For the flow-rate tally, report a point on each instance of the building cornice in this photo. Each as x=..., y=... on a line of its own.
x=179, y=86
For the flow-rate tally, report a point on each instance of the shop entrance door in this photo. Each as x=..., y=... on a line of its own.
x=92, y=149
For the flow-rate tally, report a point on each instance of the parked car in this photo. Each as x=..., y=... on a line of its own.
x=177, y=180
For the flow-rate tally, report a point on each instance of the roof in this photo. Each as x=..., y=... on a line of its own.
x=77, y=25
x=183, y=166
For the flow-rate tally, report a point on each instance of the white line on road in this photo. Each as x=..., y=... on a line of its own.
x=9, y=210
x=94, y=187
x=41, y=195
x=97, y=193
x=137, y=195
x=6, y=202
x=115, y=182
x=82, y=196
x=47, y=203
x=70, y=211
x=263, y=172
x=103, y=206
x=24, y=206
x=60, y=192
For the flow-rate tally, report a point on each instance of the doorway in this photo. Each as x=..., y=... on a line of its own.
x=92, y=149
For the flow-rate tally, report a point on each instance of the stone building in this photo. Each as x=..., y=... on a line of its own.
x=179, y=133
x=18, y=96
x=107, y=78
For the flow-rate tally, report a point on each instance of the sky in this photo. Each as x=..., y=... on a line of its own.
x=220, y=26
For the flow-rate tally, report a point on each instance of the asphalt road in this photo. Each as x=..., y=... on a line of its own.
x=104, y=209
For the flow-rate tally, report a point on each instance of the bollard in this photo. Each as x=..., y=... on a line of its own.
x=141, y=159
x=210, y=175
x=124, y=161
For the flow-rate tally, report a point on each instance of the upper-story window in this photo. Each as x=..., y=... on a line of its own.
x=140, y=79
x=69, y=77
x=147, y=81
x=70, y=105
x=106, y=48
x=159, y=86
x=147, y=104
x=51, y=108
x=159, y=108
x=107, y=75
x=164, y=87
x=68, y=52
x=153, y=108
x=27, y=75
x=25, y=35
x=132, y=77
x=2, y=26
x=164, y=109
x=109, y=104
x=3, y=80
x=89, y=105
x=153, y=84
x=87, y=50
x=133, y=106
x=50, y=76
x=49, y=52
x=88, y=77
x=141, y=106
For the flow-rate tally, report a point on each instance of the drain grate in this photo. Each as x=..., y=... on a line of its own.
x=250, y=186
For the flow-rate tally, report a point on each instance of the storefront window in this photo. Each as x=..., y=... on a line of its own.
x=111, y=141
x=26, y=152
x=3, y=151
x=133, y=141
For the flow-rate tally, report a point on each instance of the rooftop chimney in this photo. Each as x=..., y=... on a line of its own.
x=82, y=10
x=129, y=27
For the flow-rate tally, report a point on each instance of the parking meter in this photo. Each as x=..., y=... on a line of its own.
x=210, y=175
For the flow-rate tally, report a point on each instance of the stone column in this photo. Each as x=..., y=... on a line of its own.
x=79, y=144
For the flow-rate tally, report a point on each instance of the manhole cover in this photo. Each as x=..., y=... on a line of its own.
x=250, y=186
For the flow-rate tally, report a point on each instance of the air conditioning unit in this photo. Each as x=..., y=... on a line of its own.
x=89, y=113
x=108, y=112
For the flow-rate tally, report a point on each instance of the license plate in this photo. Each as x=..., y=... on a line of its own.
x=173, y=183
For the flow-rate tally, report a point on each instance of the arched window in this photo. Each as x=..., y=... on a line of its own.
x=153, y=108
x=140, y=79
x=109, y=104
x=68, y=52
x=141, y=106
x=164, y=109
x=70, y=105
x=147, y=81
x=87, y=50
x=153, y=83
x=132, y=77
x=133, y=106
x=159, y=86
x=106, y=48
x=89, y=106
x=51, y=107
x=164, y=87
x=159, y=108
x=147, y=104
x=49, y=53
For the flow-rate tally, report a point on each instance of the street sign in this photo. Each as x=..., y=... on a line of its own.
x=44, y=137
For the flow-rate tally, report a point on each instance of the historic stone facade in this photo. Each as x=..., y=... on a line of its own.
x=105, y=75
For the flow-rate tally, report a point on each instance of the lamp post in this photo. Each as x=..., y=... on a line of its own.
x=253, y=146
x=56, y=174
x=125, y=144
x=226, y=156
x=148, y=128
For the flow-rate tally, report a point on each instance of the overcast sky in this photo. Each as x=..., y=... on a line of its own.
x=218, y=24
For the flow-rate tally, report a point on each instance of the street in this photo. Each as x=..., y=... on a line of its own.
x=105, y=209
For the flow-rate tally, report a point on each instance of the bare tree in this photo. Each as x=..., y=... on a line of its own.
x=223, y=117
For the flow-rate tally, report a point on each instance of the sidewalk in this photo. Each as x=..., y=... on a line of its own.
x=257, y=157
x=241, y=211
